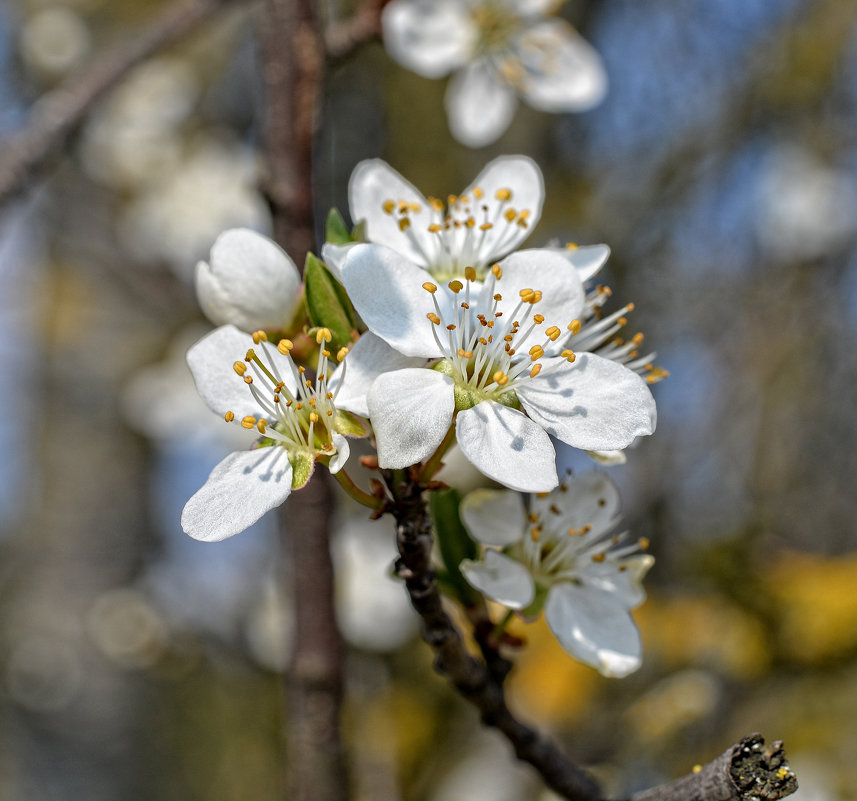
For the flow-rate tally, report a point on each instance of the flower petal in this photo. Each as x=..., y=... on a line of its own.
x=211, y=362
x=508, y=447
x=561, y=70
x=595, y=627
x=343, y=450
x=592, y=404
x=333, y=257
x=589, y=499
x=429, y=37
x=411, y=411
x=372, y=184
x=368, y=358
x=586, y=259
x=521, y=176
x=250, y=282
x=500, y=578
x=494, y=517
x=626, y=584
x=244, y=486
x=479, y=104
x=386, y=290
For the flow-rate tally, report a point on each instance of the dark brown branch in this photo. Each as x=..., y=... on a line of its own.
x=748, y=771
x=343, y=38
x=56, y=115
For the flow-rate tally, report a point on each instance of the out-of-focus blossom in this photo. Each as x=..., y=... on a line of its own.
x=498, y=50
x=560, y=555
x=248, y=281
x=54, y=40
x=258, y=387
x=490, y=368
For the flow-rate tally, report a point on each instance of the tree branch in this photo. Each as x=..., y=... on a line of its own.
x=747, y=771
x=343, y=38
x=57, y=114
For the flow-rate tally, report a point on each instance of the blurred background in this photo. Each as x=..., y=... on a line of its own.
x=722, y=171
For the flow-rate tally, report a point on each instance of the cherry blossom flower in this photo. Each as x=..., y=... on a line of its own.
x=489, y=359
x=249, y=282
x=559, y=554
x=498, y=50
x=489, y=219
x=293, y=418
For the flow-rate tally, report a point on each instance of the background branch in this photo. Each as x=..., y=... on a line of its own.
x=57, y=114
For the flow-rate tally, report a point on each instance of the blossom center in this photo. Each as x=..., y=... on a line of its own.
x=497, y=24
x=478, y=340
x=463, y=232
x=302, y=420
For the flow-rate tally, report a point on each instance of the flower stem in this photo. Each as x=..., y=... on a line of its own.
x=498, y=630
x=433, y=464
x=359, y=495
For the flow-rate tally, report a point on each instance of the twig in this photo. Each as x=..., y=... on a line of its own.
x=343, y=38
x=57, y=114
x=747, y=771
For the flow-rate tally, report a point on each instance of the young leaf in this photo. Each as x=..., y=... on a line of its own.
x=454, y=541
x=327, y=303
x=335, y=230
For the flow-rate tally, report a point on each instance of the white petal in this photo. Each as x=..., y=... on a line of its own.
x=368, y=358
x=333, y=257
x=561, y=70
x=429, y=37
x=528, y=8
x=508, y=447
x=626, y=585
x=211, y=362
x=592, y=404
x=494, y=517
x=374, y=182
x=523, y=177
x=386, y=290
x=244, y=486
x=609, y=458
x=411, y=411
x=479, y=105
x=343, y=451
x=250, y=282
x=563, y=296
x=589, y=499
x=586, y=259
x=594, y=627
x=500, y=578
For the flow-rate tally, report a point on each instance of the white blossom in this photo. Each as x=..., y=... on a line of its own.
x=559, y=554
x=497, y=51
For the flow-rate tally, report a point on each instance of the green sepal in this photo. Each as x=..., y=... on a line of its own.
x=454, y=542
x=349, y=425
x=358, y=232
x=302, y=463
x=335, y=230
x=327, y=303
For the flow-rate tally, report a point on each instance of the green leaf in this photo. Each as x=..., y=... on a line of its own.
x=358, y=232
x=327, y=303
x=335, y=230
x=302, y=463
x=454, y=541
x=349, y=425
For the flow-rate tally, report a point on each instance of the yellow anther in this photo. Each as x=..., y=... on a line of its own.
x=478, y=193
x=598, y=557
x=486, y=226
x=535, y=371
x=500, y=378
x=524, y=214
x=571, y=245
x=497, y=271
x=537, y=296
x=574, y=326
x=510, y=215
x=313, y=417
x=404, y=223
x=534, y=533
x=284, y=346
x=434, y=318
x=465, y=354
x=229, y=417
x=504, y=195
x=525, y=294
x=470, y=273
x=602, y=502
x=248, y=379
x=308, y=383
x=542, y=494
x=299, y=406
x=413, y=207
x=341, y=354
x=470, y=222
x=248, y=422
x=436, y=203
x=323, y=335
x=533, y=517
x=622, y=321
x=498, y=297
x=482, y=341
x=389, y=206
x=456, y=286
x=261, y=425
x=638, y=338
x=240, y=368
x=536, y=352
x=451, y=327
x=553, y=333
x=435, y=228
x=630, y=307
x=555, y=509
x=428, y=286
x=644, y=543
x=451, y=200
x=329, y=413
x=259, y=336
x=538, y=319
x=568, y=355
x=326, y=354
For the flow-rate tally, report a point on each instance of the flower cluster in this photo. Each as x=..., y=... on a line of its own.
x=466, y=340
